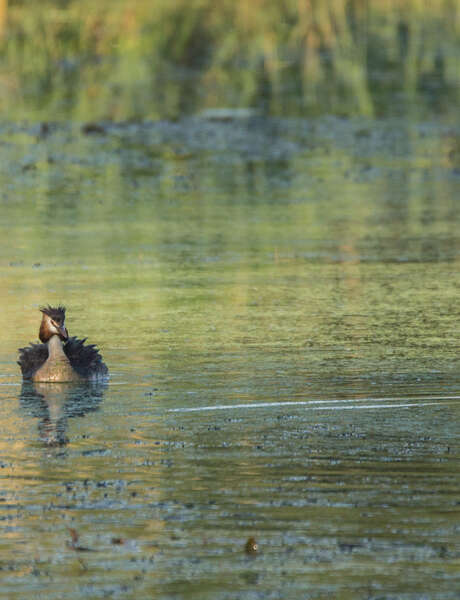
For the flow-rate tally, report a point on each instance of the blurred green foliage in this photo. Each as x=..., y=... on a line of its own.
x=160, y=59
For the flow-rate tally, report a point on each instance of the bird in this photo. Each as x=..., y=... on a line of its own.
x=60, y=358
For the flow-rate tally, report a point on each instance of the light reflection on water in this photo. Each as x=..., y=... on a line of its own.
x=283, y=345
x=312, y=404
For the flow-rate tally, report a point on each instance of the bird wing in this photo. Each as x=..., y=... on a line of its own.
x=86, y=360
x=31, y=358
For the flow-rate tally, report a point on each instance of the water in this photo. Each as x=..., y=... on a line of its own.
x=277, y=302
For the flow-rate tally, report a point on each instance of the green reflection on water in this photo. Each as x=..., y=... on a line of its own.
x=232, y=262
x=341, y=247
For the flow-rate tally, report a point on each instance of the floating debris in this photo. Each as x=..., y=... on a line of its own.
x=73, y=543
x=44, y=130
x=251, y=546
x=117, y=541
x=74, y=535
x=93, y=129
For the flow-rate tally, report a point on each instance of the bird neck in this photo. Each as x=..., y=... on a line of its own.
x=55, y=349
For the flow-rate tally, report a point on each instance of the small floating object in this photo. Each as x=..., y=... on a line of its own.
x=93, y=129
x=73, y=543
x=74, y=536
x=44, y=130
x=251, y=546
x=117, y=541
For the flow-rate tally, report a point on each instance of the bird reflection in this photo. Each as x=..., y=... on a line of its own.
x=55, y=403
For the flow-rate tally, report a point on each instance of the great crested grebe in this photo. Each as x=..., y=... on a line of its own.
x=53, y=361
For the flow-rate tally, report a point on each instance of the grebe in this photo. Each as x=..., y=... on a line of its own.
x=53, y=361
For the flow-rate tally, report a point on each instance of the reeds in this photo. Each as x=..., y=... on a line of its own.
x=151, y=59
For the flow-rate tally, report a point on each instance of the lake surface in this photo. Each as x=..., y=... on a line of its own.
x=277, y=302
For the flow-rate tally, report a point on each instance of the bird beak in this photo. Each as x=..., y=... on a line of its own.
x=63, y=333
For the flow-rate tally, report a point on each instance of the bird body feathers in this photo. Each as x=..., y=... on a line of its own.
x=57, y=361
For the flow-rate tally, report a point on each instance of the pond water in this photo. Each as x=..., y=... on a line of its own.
x=277, y=302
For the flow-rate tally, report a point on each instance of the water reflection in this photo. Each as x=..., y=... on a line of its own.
x=300, y=276
x=53, y=404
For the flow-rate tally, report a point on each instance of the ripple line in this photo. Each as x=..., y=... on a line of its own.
x=383, y=403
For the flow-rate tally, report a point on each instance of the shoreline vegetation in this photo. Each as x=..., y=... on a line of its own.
x=121, y=60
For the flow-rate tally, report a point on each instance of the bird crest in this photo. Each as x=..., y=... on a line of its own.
x=57, y=313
